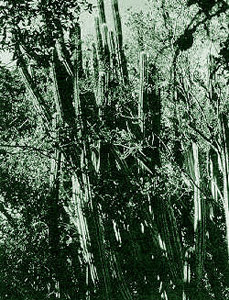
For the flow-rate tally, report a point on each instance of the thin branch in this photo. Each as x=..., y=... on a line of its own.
x=38, y=99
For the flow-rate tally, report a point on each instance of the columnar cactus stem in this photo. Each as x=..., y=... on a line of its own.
x=78, y=72
x=54, y=207
x=187, y=274
x=103, y=62
x=106, y=54
x=58, y=104
x=105, y=43
x=78, y=56
x=102, y=15
x=95, y=63
x=199, y=217
x=117, y=22
x=105, y=34
x=143, y=62
x=119, y=41
x=213, y=174
x=113, y=55
x=79, y=220
x=111, y=42
x=99, y=41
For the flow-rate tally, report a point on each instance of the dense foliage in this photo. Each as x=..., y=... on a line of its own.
x=114, y=173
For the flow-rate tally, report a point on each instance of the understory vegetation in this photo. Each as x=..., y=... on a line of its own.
x=114, y=165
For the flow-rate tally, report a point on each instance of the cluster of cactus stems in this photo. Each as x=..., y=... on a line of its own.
x=109, y=64
x=225, y=170
x=110, y=52
x=217, y=168
x=219, y=164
